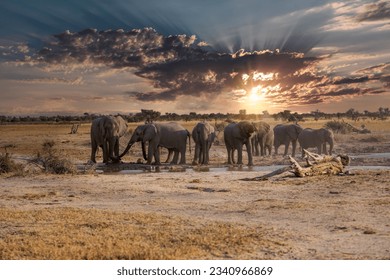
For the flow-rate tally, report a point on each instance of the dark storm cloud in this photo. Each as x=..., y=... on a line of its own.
x=180, y=65
x=375, y=11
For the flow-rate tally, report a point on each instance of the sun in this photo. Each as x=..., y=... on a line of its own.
x=256, y=94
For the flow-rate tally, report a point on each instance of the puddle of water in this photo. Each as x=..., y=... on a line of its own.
x=372, y=155
x=139, y=169
x=369, y=167
x=269, y=168
x=192, y=169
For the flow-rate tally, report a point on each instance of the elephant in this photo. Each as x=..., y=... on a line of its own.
x=236, y=135
x=310, y=138
x=264, y=138
x=105, y=133
x=203, y=135
x=284, y=134
x=168, y=135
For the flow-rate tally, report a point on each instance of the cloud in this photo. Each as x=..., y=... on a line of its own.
x=76, y=81
x=177, y=66
x=375, y=11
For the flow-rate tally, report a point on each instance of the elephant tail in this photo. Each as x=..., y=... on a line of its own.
x=189, y=140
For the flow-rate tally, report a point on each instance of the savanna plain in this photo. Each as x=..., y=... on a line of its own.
x=192, y=212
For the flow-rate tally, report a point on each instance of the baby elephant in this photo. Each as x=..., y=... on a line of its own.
x=316, y=138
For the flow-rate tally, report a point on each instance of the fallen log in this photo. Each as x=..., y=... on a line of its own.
x=316, y=165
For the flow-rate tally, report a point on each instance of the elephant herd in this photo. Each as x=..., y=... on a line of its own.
x=258, y=138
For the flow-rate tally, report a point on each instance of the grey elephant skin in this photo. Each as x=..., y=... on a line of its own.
x=284, y=134
x=263, y=139
x=316, y=138
x=236, y=136
x=172, y=136
x=203, y=135
x=105, y=133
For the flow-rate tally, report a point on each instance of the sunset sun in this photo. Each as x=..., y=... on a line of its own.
x=256, y=94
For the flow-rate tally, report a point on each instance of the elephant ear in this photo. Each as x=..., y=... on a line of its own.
x=246, y=129
x=298, y=128
x=264, y=126
x=149, y=132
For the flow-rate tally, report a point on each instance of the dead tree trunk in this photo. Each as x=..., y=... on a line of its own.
x=74, y=128
x=316, y=165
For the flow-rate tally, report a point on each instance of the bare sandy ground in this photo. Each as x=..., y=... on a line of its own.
x=325, y=217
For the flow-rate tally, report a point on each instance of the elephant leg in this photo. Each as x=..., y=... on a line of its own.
x=249, y=151
x=324, y=149
x=205, y=150
x=229, y=152
x=201, y=153
x=287, y=144
x=183, y=156
x=105, y=151
x=116, y=148
x=294, y=146
x=111, y=149
x=269, y=150
x=94, y=148
x=239, y=151
x=207, y=153
x=170, y=154
x=255, y=147
x=157, y=156
x=175, y=157
x=276, y=147
x=319, y=149
x=196, y=154
x=152, y=151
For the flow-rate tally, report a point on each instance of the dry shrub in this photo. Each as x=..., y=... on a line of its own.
x=53, y=161
x=66, y=233
x=339, y=127
x=7, y=165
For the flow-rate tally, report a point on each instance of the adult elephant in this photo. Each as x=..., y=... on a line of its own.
x=203, y=135
x=284, y=134
x=316, y=138
x=168, y=135
x=105, y=133
x=263, y=138
x=236, y=136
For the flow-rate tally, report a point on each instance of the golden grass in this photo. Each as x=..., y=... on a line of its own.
x=67, y=233
x=27, y=139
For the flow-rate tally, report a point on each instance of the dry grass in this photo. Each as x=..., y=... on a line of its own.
x=67, y=233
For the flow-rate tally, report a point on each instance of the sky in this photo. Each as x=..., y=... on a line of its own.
x=120, y=56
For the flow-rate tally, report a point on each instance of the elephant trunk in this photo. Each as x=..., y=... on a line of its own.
x=127, y=149
x=144, y=151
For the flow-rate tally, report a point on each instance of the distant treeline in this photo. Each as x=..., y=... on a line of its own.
x=151, y=115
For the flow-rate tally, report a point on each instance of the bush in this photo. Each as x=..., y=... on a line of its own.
x=339, y=127
x=7, y=165
x=52, y=161
x=344, y=128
